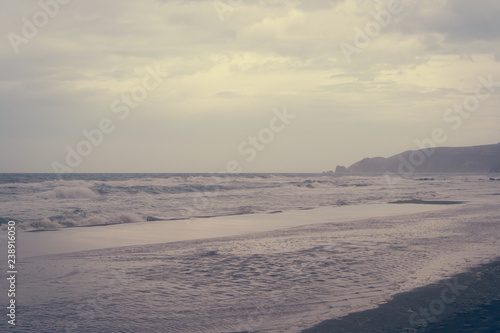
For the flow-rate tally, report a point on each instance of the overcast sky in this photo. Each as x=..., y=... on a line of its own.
x=233, y=67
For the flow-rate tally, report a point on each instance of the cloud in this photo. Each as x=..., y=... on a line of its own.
x=266, y=54
x=459, y=23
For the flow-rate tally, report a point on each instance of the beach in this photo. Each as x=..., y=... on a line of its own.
x=465, y=302
x=288, y=279
x=229, y=166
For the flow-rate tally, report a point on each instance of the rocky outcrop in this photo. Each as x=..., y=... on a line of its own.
x=340, y=169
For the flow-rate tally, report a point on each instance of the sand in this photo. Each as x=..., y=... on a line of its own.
x=471, y=304
x=428, y=202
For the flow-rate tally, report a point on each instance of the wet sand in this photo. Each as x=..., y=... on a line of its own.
x=467, y=302
x=427, y=202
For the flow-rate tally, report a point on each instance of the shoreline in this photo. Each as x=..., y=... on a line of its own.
x=466, y=302
x=77, y=239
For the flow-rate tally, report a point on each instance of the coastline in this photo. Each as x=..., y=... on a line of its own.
x=466, y=302
x=281, y=280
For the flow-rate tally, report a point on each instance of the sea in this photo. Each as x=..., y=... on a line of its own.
x=234, y=252
x=44, y=201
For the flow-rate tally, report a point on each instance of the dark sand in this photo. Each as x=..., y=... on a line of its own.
x=427, y=202
x=467, y=302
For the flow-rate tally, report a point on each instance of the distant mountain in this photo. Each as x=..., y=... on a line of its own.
x=431, y=160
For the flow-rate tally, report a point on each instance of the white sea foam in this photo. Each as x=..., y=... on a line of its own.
x=125, y=218
x=90, y=221
x=43, y=224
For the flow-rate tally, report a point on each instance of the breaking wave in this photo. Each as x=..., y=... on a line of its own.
x=69, y=193
x=49, y=224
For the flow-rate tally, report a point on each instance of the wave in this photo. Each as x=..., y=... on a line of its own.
x=40, y=225
x=69, y=193
x=51, y=224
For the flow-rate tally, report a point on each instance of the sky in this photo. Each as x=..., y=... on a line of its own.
x=240, y=85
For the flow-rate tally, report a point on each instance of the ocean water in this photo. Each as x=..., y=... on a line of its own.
x=42, y=201
x=272, y=279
